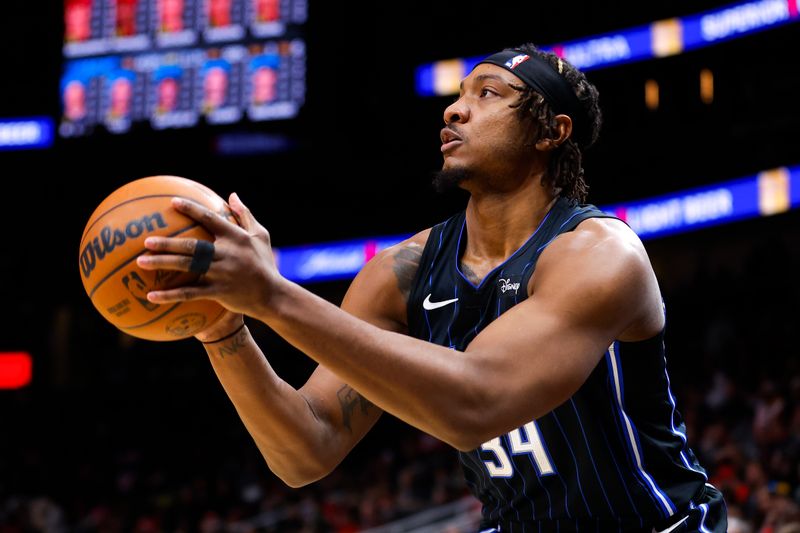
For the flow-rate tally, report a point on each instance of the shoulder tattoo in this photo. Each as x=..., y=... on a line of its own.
x=350, y=401
x=406, y=264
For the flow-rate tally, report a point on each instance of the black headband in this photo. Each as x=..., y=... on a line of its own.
x=540, y=76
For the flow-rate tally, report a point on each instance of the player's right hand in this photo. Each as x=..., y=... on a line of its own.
x=242, y=275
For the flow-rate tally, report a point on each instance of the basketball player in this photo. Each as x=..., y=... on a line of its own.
x=215, y=86
x=78, y=20
x=120, y=97
x=526, y=331
x=74, y=98
x=171, y=12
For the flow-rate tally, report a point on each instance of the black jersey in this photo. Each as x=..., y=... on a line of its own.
x=613, y=457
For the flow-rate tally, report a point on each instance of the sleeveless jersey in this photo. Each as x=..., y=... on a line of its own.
x=613, y=457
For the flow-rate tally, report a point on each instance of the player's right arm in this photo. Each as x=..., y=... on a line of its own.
x=305, y=433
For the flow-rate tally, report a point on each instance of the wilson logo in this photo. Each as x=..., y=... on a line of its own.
x=109, y=238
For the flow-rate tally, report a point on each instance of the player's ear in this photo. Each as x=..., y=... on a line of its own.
x=561, y=132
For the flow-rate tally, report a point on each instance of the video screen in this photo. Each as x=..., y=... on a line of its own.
x=179, y=63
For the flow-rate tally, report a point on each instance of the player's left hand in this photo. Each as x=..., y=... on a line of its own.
x=238, y=270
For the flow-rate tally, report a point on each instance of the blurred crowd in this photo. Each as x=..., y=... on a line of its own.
x=139, y=451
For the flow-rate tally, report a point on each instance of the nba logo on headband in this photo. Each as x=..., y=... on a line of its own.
x=516, y=60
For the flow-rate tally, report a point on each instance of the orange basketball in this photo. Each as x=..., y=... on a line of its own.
x=114, y=238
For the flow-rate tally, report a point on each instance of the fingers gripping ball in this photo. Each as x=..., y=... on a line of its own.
x=114, y=238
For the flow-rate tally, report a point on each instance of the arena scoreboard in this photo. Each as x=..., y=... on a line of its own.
x=180, y=63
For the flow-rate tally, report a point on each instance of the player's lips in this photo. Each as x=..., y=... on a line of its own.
x=450, y=139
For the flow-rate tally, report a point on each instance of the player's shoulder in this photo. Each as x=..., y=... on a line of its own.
x=603, y=266
x=381, y=290
x=399, y=263
x=601, y=237
x=602, y=249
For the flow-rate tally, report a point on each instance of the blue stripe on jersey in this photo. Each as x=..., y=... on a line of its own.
x=591, y=458
x=625, y=443
x=511, y=502
x=546, y=492
x=427, y=316
x=676, y=431
x=574, y=460
x=481, y=479
x=703, y=507
x=430, y=278
x=615, y=373
x=566, y=494
x=499, y=498
x=453, y=317
x=619, y=473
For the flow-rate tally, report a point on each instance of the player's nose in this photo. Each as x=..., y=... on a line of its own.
x=457, y=112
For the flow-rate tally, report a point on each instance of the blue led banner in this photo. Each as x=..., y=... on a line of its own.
x=333, y=261
x=26, y=133
x=658, y=39
x=767, y=193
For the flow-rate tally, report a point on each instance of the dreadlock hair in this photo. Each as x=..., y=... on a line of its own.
x=564, y=170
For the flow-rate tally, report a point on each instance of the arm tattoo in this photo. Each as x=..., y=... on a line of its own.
x=471, y=276
x=349, y=399
x=233, y=346
x=406, y=263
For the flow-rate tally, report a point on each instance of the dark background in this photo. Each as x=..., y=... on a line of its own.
x=364, y=149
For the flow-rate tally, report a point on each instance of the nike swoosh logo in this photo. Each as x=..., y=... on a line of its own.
x=674, y=526
x=430, y=306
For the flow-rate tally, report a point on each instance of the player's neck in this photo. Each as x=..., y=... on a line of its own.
x=498, y=223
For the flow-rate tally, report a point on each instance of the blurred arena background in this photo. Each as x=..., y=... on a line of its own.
x=115, y=434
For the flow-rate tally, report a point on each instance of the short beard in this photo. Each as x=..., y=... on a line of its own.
x=448, y=179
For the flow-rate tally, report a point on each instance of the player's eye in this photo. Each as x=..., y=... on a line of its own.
x=486, y=92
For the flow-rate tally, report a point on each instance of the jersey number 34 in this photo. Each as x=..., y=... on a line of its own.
x=524, y=440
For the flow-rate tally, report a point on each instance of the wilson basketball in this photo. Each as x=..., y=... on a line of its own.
x=114, y=238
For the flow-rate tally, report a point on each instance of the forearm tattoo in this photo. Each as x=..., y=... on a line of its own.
x=232, y=345
x=406, y=264
x=349, y=401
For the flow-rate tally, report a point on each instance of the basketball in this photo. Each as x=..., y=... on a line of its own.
x=113, y=239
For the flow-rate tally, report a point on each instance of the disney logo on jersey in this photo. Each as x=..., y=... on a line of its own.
x=508, y=285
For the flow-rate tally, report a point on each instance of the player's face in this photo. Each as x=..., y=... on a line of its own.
x=78, y=21
x=220, y=12
x=126, y=18
x=264, y=85
x=121, y=92
x=216, y=87
x=484, y=134
x=172, y=15
x=168, y=94
x=74, y=100
x=267, y=10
